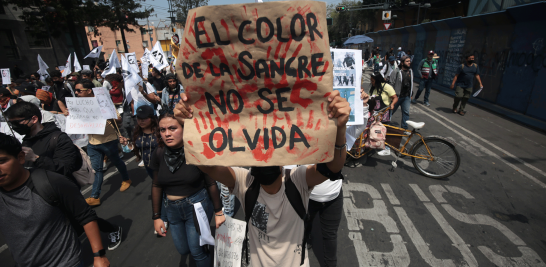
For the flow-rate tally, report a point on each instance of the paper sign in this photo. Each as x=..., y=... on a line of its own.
x=257, y=76
x=46, y=88
x=205, y=238
x=80, y=140
x=347, y=80
x=107, y=108
x=4, y=128
x=85, y=116
x=6, y=76
x=86, y=67
x=477, y=92
x=229, y=243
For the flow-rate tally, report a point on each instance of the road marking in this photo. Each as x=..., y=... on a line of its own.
x=458, y=242
x=85, y=191
x=420, y=194
x=390, y=194
x=476, y=144
x=419, y=242
x=437, y=190
x=471, y=149
x=529, y=258
x=460, y=191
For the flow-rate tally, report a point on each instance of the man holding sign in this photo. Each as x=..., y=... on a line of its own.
x=258, y=82
x=101, y=145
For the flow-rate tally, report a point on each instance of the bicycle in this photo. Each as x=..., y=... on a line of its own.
x=432, y=156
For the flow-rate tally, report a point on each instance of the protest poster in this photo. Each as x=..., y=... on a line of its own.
x=80, y=140
x=85, y=116
x=6, y=76
x=257, y=77
x=229, y=243
x=347, y=80
x=4, y=128
x=107, y=108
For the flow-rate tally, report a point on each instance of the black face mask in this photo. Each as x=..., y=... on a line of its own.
x=470, y=61
x=22, y=129
x=266, y=175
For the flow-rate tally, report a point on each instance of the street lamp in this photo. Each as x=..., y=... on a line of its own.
x=425, y=5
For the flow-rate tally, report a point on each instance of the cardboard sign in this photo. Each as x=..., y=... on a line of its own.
x=229, y=243
x=257, y=76
x=107, y=108
x=85, y=116
x=347, y=80
x=6, y=76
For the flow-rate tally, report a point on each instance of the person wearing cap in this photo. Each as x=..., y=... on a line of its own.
x=172, y=91
x=101, y=145
x=400, y=53
x=60, y=90
x=389, y=68
x=427, y=71
x=88, y=74
x=28, y=89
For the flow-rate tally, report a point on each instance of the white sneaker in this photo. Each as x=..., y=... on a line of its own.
x=141, y=164
x=384, y=152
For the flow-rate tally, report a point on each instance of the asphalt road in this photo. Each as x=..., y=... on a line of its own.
x=491, y=212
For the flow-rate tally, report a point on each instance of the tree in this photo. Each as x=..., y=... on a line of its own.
x=184, y=6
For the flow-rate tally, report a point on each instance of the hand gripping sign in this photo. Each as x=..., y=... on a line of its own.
x=257, y=77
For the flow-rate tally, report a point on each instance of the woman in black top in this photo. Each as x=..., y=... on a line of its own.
x=185, y=186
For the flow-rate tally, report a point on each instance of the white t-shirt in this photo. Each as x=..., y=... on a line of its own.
x=275, y=231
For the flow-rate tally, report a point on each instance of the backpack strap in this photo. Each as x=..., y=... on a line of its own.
x=53, y=142
x=251, y=197
x=294, y=197
x=43, y=187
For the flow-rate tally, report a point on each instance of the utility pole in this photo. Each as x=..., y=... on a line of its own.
x=148, y=30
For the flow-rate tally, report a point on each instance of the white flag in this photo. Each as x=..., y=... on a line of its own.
x=43, y=69
x=111, y=64
x=68, y=66
x=157, y=57
x=130, y=76
x=95, y=53
x=77, y=66
x=145, y=59
x=131, y=58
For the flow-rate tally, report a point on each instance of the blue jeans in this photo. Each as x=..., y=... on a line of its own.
x=185, y=237
x=96, y=154
x=405, y=103
x=422, y=84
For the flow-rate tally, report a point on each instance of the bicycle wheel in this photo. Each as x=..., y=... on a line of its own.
x=446, y=158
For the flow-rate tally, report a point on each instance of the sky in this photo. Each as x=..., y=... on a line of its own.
x=161, y=7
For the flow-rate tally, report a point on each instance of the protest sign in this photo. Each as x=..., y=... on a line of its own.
x=107, y=108
x=257, y=76
x=4, y=128
x=229, y=243
x=347, y=80
x=80, y=140
x=6, y=76
x=85, y=116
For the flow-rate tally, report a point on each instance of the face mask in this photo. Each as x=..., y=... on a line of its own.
x=100, y=79
x=22, y=129
x=266, y=175
x=470, y=61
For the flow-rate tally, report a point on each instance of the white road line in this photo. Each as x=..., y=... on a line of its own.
x=107, y=176
x=390, y=194
x=482, y=148
x=420, y=194
x=5, y=246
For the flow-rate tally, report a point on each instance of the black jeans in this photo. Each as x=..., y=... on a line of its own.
x=330, y=216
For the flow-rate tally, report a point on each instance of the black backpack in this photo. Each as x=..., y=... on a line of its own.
x=294, y=197
x=43, y=187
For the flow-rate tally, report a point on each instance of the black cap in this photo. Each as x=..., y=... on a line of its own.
x=5, y=92
x=28, y=89
x=144, y=112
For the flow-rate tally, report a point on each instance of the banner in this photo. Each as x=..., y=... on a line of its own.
x=85, y=116
x=229, y=243
x=77, y=66
x=68, y=66
x=257, y=84
x=6, y=76
x=347, y=80
x=95, y=53
x=107, y=108
x=111, y=64
x=42, y=69
x=131, y=58
x=157, y=57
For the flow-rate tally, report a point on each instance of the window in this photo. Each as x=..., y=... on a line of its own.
x=94, y=43
x=144, y=43
x=7, y=44
x=35, y=41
